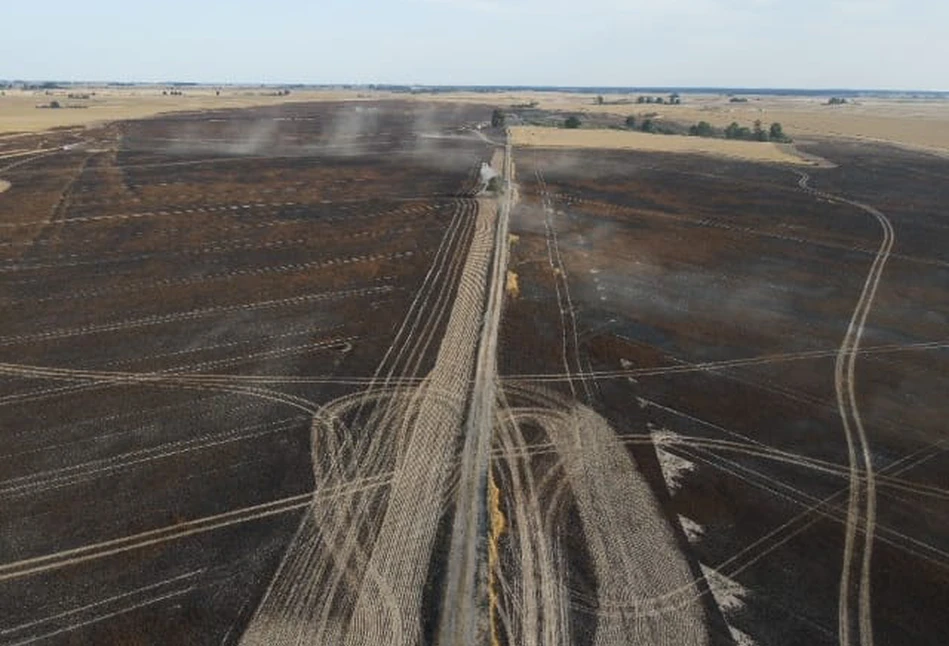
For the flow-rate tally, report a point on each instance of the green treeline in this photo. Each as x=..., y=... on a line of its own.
x=735, y=131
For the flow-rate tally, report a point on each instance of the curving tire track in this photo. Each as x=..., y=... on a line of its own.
x=858, y=447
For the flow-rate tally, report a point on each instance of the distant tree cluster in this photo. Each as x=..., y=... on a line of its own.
x=738, y=99
x=836, y=100
x=735, y=131
x=172, y=93
x=672, y=99
x=572, y=123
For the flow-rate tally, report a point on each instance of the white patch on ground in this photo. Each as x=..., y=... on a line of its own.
x=742, y=638
x=728, y=594
x=674, y=467
x=4, y=185
x=626, y=364
x=693, y=531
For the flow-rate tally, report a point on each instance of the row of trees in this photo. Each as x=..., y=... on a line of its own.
x=674, y=99
x=647, y=125
x=735, y=131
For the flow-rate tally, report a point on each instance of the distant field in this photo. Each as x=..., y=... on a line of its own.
x=921, y=124
x=19, y=111
x=620, y=140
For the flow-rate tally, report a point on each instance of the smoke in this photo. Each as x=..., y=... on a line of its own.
x=352, y=131
x=239, y=138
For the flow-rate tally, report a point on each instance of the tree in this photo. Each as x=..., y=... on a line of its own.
x=648, y=126
x=572, y=122
x=731, y=132
x=497, y=119
x=641, y=99
x=759, y=133
x=599, y=99
x=675, y=99
x=649, y=99
x=659, y=99
x=702, y=129
x=54, y=104
x=777, y=133
x=630, y=122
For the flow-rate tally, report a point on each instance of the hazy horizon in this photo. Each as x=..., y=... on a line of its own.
x=591, y=89
x=839, y=44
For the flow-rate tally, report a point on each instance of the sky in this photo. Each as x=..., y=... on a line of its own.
x=866, y=44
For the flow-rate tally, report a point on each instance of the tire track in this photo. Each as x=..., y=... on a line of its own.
x=189, y=315
x=709, y=366
x=857, y=444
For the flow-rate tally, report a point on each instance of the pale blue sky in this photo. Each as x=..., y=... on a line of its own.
x=739, y=43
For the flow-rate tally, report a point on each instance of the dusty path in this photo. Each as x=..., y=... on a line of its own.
x=465, y=589
x=415, y=504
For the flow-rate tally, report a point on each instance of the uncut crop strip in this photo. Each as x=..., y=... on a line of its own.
x=346, y=564
x=301, y=553
x=633, y=550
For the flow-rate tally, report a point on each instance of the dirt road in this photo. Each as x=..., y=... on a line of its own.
x=465, y=590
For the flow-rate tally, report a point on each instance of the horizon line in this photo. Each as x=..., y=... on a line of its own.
x=483, y=87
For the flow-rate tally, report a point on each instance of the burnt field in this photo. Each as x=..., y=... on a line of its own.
x=295, y=375
x=771, y=348
x=180, y=295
